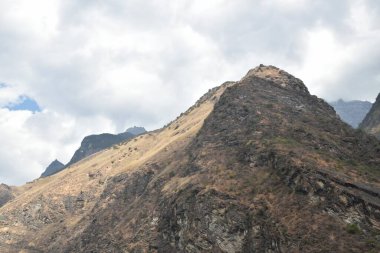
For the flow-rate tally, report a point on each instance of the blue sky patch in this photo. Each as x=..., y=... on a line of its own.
x=24, y=103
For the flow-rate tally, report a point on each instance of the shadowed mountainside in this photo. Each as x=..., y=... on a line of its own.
x=258, y=165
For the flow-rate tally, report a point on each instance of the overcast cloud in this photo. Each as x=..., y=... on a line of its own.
x=102, y=66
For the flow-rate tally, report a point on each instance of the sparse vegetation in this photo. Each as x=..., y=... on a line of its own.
x=269, y=106
x=353, y=228
x=285, y=141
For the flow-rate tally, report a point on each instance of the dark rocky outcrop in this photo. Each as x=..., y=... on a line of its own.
x=55, y=167
x=136, y=130
x=371, y=123
x=352, y=112
x=6, y=194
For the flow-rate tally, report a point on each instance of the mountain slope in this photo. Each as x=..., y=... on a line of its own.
x=352, y=112
x=53, y=168
x=371, y=123
x=257, y=165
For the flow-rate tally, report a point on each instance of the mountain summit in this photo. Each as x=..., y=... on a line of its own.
x=277, y=76
x=136, y=130
x=258, y=165
x=53, y=168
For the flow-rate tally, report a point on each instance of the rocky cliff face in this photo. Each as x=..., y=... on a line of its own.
x=257, y=165
x=371, y=123
x=352, y=112
x=55, y=167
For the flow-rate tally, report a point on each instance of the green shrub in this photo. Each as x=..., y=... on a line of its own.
x=353, y=228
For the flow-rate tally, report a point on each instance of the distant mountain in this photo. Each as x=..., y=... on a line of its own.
x=136, y=130
x=95, y=143
x=53, y=168
x=352, y=112
x=6, y=195
x=92, y=144
x=371, y=123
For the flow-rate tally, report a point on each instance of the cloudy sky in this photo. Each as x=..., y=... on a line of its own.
x=69, y=68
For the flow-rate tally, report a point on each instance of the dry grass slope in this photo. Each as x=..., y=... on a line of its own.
x=46, y=202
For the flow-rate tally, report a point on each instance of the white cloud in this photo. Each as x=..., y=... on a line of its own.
x=8, y=94
x=322, y=55
x=32, y=140
x=101, y=66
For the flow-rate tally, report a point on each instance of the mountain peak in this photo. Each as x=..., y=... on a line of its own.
x=136, y=130
x=53, y=168
x=277, y=76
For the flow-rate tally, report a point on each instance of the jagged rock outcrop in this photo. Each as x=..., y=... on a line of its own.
x=54, y=167
x=352, y=112
x=136, y=130
x=371, y=123
x=258, y=165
